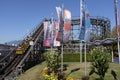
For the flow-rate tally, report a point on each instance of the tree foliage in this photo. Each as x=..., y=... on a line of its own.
x=113, y=32
x=100, y=62
x=52, y=59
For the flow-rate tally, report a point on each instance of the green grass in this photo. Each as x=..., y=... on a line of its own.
x=34, y=73
x=75, y=57
x=80, y=73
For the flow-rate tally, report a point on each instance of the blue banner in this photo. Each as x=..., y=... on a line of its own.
x=88, y=30
x=82, y=34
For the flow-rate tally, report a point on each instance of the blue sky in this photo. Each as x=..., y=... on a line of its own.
x=18, y=17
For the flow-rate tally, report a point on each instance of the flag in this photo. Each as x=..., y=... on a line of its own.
x=56, y=43
x=85, y=25
x=82, y=21
x=88, y=29
x=47, y=31
x=60, y=24
x=52, y=33
x=64, y=29
x=67, y=25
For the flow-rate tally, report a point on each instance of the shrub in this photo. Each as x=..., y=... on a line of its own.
x=100, y=62
x=52, y=59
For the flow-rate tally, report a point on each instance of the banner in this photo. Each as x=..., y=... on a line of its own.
x=60, y=24
x=52, y=35
x=56, y=28
x=46, y=43
x=85, y=25
x=82, y=34
x=88, y=29
x=82, y=28
x=67, y=25
x=47, y=32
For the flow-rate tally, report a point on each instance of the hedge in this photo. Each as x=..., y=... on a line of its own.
x=75, y=57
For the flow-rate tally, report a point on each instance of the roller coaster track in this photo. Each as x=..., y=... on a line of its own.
x=12, y=66
x=18, y=60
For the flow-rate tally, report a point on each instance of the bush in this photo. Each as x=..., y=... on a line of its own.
x=52, y=59
x=100, y=62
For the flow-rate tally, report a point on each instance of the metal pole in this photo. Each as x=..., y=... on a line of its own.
x=62, y=59
x=51, y=48
x=117, y=28
x=80, y=52
x=83, y=23
x=52, y=42
x=81, y=15
x=62, y=39
x=85, y=57
x=112, y=53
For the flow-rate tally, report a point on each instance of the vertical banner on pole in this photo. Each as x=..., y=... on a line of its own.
x=84, y=29
x=85, y=25
x=82, y=22
x=46, y=41
x=56, y=43
x=67, y=25
x=60, y=33
x=88, y=29
x=63, y=35
x=60, y=24
x=52, y=35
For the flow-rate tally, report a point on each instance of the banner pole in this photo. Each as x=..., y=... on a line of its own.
x=80, y=52
x=117, y=27
x=52, y=42
x=62, y=39
x=85, y=56
x=81, y=15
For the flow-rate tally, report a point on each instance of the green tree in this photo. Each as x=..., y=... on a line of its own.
x=52, y=59
x=113, y=32
x=100, y=62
